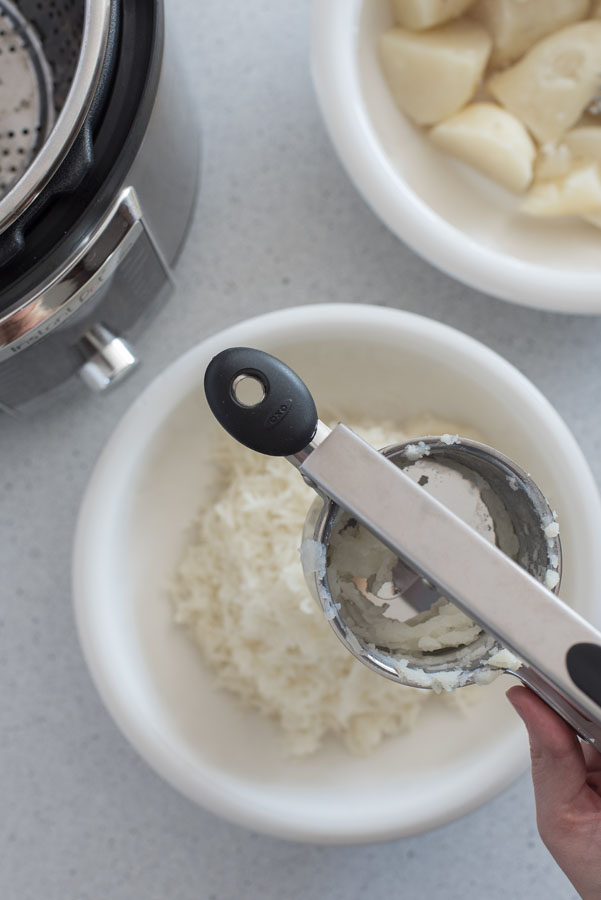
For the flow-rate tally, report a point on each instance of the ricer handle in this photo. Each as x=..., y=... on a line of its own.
x=588, y=729
x=282, y=423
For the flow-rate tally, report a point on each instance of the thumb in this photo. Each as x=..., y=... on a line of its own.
x=558, y=766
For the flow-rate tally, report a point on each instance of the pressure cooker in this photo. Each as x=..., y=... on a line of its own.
x=98, y=174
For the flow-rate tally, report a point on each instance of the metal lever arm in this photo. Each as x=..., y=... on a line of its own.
x=588, y=730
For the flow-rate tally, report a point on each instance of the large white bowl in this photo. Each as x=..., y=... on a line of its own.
x=149, y=482
x=449, y=214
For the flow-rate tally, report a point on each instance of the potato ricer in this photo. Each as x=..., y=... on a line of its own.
x=499, y=563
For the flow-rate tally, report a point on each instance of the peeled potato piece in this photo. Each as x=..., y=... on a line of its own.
x=418, y=14
x=432, y=74
x=553, y=161
x=492, y=140
x=585, y=142
x=580, y=145
x=594, y=219
x=577, y=193
x=515, y=25
x=549, y=89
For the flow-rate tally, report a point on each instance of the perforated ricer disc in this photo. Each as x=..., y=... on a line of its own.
x=26, y=92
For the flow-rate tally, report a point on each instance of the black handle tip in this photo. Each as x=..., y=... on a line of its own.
x=584, y=665
x=281, y=423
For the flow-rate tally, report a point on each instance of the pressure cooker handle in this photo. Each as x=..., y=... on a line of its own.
x=281, y=421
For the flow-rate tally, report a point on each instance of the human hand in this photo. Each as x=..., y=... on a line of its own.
x=567, y=788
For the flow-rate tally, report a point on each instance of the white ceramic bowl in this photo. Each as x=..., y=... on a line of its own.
x=449, y=214
x=152, y=477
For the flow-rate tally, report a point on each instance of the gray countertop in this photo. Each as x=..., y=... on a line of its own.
x=277, y=224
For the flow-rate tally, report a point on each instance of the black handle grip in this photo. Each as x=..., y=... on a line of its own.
x=282, y=423
x=584, y=665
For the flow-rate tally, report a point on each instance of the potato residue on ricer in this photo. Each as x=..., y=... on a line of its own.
x=240, y=591
x=360, y=568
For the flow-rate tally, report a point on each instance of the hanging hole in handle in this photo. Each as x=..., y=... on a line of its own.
x=248, y=390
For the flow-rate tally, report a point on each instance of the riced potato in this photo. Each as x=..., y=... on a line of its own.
x=510, y=87
x=240, y=592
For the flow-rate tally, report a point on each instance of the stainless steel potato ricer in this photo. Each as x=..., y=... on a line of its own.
x=435, y=553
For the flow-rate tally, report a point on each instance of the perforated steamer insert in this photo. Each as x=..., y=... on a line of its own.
x=27, y=101
x=52, y=59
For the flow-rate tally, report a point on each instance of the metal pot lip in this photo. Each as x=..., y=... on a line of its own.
x=69, y=122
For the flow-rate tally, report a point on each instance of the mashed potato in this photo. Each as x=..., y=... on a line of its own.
x=240, y=591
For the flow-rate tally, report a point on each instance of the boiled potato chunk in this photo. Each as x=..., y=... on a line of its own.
x=552, y=85
x=553, y=161
x=434, y=73
x=418, y=14
x=578, y=146
x=492, y=140
x=585, y=142
x=515, y=25
x=577, y=193
x=594, y=219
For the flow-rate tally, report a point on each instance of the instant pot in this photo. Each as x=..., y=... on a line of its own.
x=98, y=175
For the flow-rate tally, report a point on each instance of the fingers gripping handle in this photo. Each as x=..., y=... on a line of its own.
x=281, y=423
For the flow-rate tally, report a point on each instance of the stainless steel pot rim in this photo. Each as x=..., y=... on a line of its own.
x=71, y=118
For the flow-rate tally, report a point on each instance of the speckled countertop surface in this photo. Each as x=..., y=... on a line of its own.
x=277, y=224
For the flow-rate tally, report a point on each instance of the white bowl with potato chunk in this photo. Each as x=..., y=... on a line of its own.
x=470, y=129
